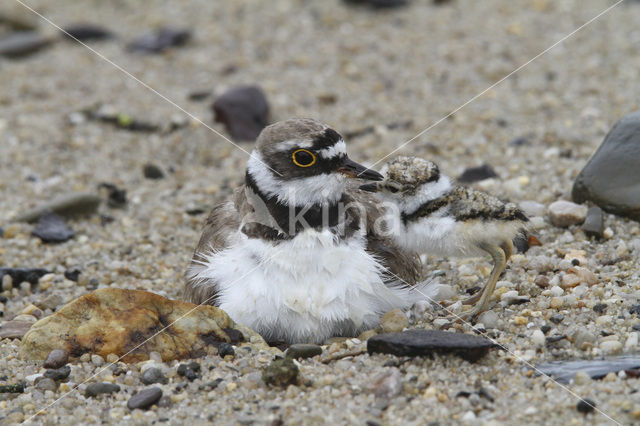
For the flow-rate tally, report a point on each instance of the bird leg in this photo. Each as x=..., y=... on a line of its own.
x=507, y=248
x=499, y=254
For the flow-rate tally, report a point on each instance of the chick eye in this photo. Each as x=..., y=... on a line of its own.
x=303, y=158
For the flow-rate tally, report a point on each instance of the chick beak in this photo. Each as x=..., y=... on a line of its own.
x=369, y=187
x=355, y=170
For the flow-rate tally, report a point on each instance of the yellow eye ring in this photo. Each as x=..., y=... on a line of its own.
x=299, y=164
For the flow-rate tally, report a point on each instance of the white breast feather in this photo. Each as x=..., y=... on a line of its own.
x=303, y=290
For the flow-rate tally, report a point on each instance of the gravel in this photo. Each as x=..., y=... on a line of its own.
x=354, y=68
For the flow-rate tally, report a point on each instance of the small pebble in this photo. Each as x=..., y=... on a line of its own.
x=58, y=373
x=153, y=375
x=556, y=318
x=611, y=347
x=226, y=349
x=537, y=337
x=303, y=350
x=586, y=406
x=97, y=360
x=394, y=321
x=556, y=302
x=151, y=171
x=281, y=372
x=145, y=398
x=46, y=384
x=581, y=378
x=565, y=213
x=56, y=359
x=95, y=389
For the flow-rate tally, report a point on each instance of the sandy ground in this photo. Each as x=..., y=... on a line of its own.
x=352, y=68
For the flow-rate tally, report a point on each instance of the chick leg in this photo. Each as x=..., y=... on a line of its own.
x=507, y=248
x=499, y=256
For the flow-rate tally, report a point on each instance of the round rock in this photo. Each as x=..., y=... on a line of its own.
x=303, y=350
x=145, y=398
x=565, y=213
x=586, y=406
x=394, y=321
x=611, y=178
x=95, y=389
x=153, y=375
x=56, y=359
x=58, y=373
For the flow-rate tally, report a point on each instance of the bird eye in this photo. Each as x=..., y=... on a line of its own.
x=303, y=158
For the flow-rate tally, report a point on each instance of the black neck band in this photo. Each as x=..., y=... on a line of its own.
x=292, y=219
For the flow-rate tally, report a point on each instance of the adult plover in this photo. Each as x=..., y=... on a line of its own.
x=432, y=216
x=290, y=256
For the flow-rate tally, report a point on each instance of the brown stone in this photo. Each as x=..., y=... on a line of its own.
x=14, y=329
x=130, y=323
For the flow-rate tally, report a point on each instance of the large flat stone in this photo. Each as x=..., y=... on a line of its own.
x=130, y=323
x=428, y=342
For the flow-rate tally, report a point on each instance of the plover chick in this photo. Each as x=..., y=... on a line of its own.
x=289, y=257
x=433, y=216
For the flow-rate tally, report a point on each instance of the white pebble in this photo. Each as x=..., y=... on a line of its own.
x=611, y=347
x=557, y=291
x=581, y=378
x=469, y=416
x=537, y=337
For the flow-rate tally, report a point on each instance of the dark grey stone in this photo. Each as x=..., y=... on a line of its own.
x=86, y=32
x=593, y=225
x=243, y=110
x=58, y=373
x=145, y=398
x=18, y=275
x=95, y=389
x=556, y=318
x=611, y=178
x=586, y=405
x=427, y=342
x=563, y=371
x=57, y=358
x=52, y=229
x=476, y=174
x=189, y=371
x=151, y=171
x=117, y=198
x=23, y=43
x=303, y=350
x=226, y=349
x=153, y=375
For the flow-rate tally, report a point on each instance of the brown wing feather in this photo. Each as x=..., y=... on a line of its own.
x=222, y=222
x=404, y=265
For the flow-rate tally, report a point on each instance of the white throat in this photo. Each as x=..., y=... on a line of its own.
x=425, y=192
x=297, y=192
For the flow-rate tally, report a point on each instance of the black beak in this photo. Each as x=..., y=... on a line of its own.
x=369, y=187
x=355, y=170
